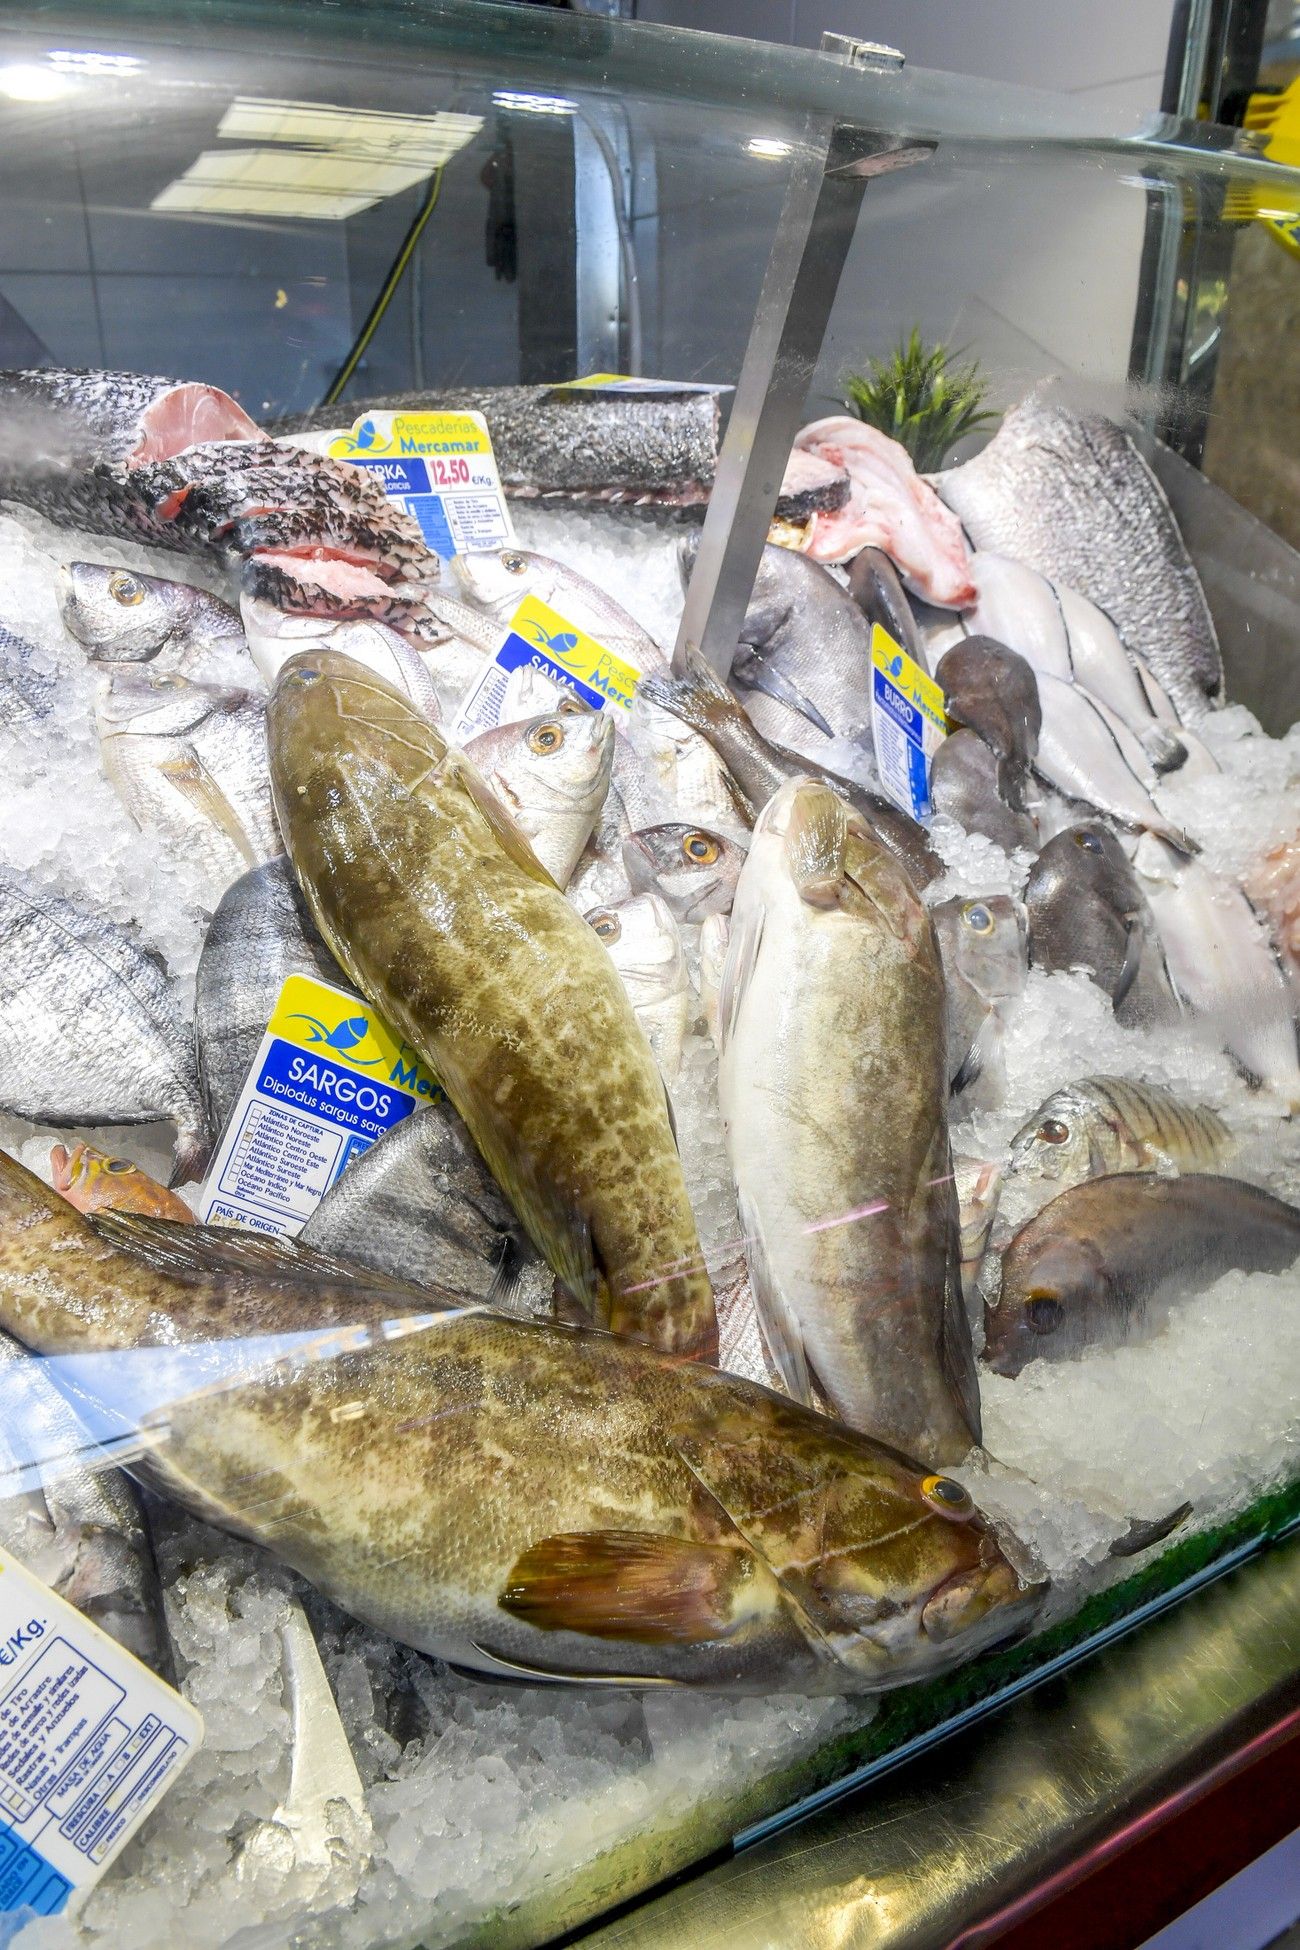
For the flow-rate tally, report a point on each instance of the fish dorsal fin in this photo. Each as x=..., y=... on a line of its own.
x=508, y=836
x=631, y=1584
x=816, y=843
x=193, y=1253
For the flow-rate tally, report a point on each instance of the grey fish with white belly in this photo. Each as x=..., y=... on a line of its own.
x=1105, y=1124
x=1104, y=1260
x=1070, y=495
x=646, y=949
x=834, y=1092
x=964, y=785
x=189, y=763
x=496, y=581
x=260, y=933
x=421, y=1205
x=122, y=616
x=553, y=774
x=1085, y=752
x=99, y=1034
x=985, y=950
x=68, y=1519
x=693, y=870
x=804, y=661
x=1086, y=910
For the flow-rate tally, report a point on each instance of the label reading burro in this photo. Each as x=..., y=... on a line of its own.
x=540, y=639
x=441, y=469
x=329, y=1079
x=89, y=1741
x=908, y=723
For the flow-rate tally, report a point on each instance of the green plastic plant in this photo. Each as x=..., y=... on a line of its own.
x=921, y=398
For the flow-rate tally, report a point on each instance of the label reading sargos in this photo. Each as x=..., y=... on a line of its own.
x=543, y=644
x=441, y=468
x=908, y=723
x=329, y=1079
x=90, y=1740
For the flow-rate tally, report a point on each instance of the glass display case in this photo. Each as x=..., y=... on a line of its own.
x=751, y=1218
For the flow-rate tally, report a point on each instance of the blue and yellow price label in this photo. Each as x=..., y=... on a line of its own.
x=441, y=469
x=540, y=636
x=908, y=723
x=319, y=1019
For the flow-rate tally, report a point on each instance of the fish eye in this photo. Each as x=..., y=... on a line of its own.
x=607, y=925
x=512, y=563
x=1088, y=841
x=572, y=707
x=119, y=1164
x=977, y=916
x=948, y=1498
x=1052, y=1131
x=546, y=738
x=1044, y=1313
x=125, y=589
x=700, y=848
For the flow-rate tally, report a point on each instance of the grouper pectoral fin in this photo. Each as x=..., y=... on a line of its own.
x=631, y=1584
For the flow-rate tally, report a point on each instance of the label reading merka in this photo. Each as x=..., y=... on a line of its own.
x=908, y=723
x=440, y=468
x=330, y=1078
x=90, y=1740
x=540, y=643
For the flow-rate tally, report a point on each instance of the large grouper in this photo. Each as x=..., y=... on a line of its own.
x=435, y=905
x=522, y=1498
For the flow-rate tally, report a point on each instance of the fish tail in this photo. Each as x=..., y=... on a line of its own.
x=696, y=695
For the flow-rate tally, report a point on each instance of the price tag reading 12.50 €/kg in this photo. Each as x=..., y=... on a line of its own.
x=440, y=467
x=908, y=723
x=330, y=1078
x=90, y=1741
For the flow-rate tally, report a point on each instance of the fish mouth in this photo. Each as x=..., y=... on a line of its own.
x=983, y=1604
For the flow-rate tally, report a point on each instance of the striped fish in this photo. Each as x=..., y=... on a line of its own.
x=1110, y=1124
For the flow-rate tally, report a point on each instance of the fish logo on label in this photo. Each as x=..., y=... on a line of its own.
x=583, y=657
x=365, y=438
x=343, y=1038
x=560, y=643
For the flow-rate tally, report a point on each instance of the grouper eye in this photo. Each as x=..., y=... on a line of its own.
x=546, y=738
x=1044, y=1313
x=119, y=1164
x=1052, y=1131
x=124, y=589
x=977, y=916
x=948, y=1498
x=700, y=848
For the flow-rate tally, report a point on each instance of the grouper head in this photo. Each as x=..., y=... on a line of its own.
x=890, y=1568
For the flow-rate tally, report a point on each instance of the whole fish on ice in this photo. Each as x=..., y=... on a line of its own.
x=693, y=871
x=99, y=1035
x=189, y=764
x=441, y=914
x=1107, y=1124
x=984, y=947
x=1086, y=910
x=646, y=949
x=1103, y=1261
x=651, y=1519
x=1070, y=495
x=94, y=1182
x=834, y=1093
